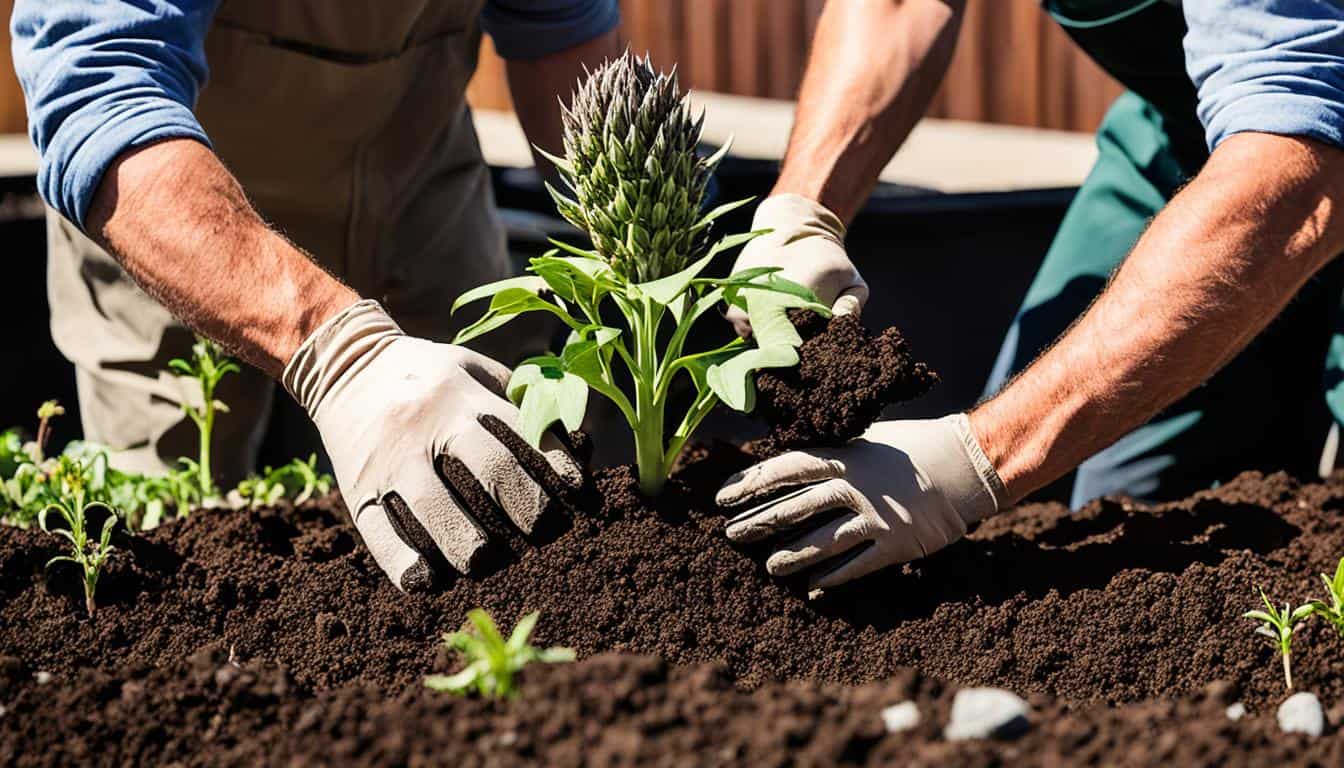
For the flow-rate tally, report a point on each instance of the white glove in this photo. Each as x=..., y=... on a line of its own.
x=388, y=406
x=910, y=488
x=808, y=242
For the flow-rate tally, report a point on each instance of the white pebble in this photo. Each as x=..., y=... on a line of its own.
x=42, y=678
x=900, y=717
x=1302, y=713
x=978, y=713
x=1236, y=711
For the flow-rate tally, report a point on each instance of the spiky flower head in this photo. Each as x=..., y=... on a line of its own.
x=631, y=163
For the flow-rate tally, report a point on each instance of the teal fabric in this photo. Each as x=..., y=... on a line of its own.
x=1263, y=411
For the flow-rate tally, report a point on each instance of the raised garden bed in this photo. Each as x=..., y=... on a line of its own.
x=270, y=636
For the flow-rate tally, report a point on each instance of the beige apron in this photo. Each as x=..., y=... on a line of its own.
x=346, y=123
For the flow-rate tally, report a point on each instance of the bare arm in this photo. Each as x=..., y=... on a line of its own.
x=535, y=84
x=180, y=224
x=874, y=67
x=1216, y=266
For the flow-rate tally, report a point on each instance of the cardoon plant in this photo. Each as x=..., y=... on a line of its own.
x=637, y=188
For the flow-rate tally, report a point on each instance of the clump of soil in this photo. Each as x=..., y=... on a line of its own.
x=846, y=375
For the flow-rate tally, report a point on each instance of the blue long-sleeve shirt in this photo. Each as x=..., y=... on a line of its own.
x=103, y=77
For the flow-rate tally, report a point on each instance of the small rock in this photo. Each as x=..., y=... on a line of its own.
x=3, y=710
x=226, y=675
x=1236, y=711
x=979, y=713
x=42, y=678
x=1302, y=713
x=900, y=717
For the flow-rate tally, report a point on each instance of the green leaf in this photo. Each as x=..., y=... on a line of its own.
x=522, y=630
x=665, y=289
x=732, y=241
x=556, y=655
x=460, y=682
x=718, y=211
x=574, y=249
x=1302, y=612
x=545, y=395
x=1258, y=616
x=731, y=379
x=529, y=283
x=507, y=304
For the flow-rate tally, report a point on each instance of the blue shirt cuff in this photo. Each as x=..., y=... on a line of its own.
x=534, y=29
x=1285, y=114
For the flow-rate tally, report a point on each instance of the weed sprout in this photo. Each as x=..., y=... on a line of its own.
x=1279, y=626
x=491, y=660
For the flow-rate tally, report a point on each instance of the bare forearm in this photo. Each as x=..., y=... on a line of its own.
x=874, y=67
x=179, y=223
x=535, y=84
x=1216, y=266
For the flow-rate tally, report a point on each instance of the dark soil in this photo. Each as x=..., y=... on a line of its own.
x=237, y=638
x=845, y=377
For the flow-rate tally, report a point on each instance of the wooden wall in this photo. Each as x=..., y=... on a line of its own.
x=11, y=98
x=1013, y=64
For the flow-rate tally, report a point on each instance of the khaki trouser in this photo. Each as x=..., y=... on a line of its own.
x=347, y=125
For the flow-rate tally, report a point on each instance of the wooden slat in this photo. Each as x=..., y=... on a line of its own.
x=1013, y=65
x=12, y=118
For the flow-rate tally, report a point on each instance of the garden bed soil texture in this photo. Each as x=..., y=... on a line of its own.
x=272, y=637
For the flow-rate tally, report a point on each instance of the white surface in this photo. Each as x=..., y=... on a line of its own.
x=979, y=713
x=17, y=156
x=1302, y=713
x=946, y=155
x=900, y=717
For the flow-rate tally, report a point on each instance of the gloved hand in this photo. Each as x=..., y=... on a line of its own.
x=808, y=243
x=910, y=488
x=387, y=406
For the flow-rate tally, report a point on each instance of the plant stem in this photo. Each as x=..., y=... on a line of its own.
x=88, y=598
x=648, y=406
x=207, y=428
x=1287, y=672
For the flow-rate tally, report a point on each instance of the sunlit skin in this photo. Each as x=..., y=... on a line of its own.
x=181, y=225
x=1221, y=260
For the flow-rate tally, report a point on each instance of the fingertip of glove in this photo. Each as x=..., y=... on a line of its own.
x=419, y=578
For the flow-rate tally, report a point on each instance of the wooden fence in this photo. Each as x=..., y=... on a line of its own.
x=1012, y=66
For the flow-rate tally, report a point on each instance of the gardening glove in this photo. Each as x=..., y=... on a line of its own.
x=388, y=406
x=908, y=488
x=808, y=242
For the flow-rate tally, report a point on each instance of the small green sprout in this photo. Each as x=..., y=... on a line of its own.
x=1333, y=612
x=297, y=481
x=491, y=660
x=45, y=413
x=1279, y=626
x=73, y=506
x=207, y=365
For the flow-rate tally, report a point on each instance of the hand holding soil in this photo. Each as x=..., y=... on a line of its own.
x=903, y=491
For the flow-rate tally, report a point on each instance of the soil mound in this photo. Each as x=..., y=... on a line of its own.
x=272, y=635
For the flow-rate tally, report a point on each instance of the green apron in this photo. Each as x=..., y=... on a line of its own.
x=1265, y=410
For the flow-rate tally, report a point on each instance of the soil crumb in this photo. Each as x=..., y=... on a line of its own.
x=846, y=375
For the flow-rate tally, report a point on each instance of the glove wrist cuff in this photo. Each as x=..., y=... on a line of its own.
x=795, y=212
x=978, y=491
x=339, y=347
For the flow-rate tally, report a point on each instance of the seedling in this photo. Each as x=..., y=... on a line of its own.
x=207, y=366
x=297, y=481
x=45, y=413
x=638, y=187
x=1279, y=626
x=1332, y=611
x=491, y=660
x=73, y=506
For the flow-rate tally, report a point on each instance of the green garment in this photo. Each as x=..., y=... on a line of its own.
x=1263, y=411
